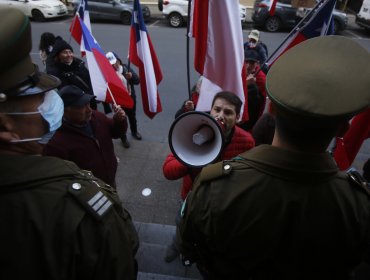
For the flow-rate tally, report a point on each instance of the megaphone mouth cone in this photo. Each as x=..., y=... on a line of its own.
x=181, y=142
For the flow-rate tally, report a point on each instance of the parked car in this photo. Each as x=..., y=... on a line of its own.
x=286, y=16
x=363, y=17
x=38, y=10
x=118, y=10
x=176, y=11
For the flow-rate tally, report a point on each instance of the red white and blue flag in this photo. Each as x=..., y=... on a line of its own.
x=107, y=86
x=142, y=54
x=318, y=22
x=219, y=54
x=75, y=29
x=272, y=7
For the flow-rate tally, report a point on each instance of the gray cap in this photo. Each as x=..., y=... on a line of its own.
x=324, y=77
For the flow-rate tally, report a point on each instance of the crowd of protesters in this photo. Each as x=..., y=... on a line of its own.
x=59, y=169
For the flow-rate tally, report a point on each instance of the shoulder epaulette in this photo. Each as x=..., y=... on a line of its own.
x=90, y=192
x=91, y=197
x=356, y=179
x=213, y=171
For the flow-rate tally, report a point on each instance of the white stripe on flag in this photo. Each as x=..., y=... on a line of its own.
x=88, y=25
x=225, y=56
x=97, y=79
x=144, y=54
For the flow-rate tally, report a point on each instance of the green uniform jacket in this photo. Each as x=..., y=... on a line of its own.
x=59, y=222
x=275, y=214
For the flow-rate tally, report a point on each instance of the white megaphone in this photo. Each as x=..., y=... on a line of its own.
x=196, y=139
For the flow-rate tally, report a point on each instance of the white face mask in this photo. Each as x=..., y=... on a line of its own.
x=120, y=69
x=52, y=110
x=252, y=44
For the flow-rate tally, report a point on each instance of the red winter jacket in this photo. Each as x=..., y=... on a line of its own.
x=94, y=154
x=241, y=141
x=347, y=148
x=261, y=84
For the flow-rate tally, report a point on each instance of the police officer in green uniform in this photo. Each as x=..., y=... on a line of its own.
x=57, y=221
x=285, y=211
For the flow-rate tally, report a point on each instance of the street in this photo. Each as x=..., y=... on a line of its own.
x=140, y=166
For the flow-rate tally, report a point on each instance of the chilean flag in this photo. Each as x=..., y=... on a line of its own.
x=75, y=29
x=272, y=7
x=318, y=22
x=107, y=86
x=219, y=54
x=142, y=54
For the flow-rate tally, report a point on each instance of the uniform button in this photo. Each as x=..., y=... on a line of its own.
x=76, y=186
x=227, y=167
x=2, y=97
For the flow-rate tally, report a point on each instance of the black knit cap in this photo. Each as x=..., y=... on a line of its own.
x=60, y=45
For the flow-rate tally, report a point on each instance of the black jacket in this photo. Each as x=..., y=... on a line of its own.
x=74, y=74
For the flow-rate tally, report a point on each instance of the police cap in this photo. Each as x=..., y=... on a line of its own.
x=325, y=77
x=18, y=75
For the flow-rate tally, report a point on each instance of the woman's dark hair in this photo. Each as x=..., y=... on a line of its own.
x=47, y=39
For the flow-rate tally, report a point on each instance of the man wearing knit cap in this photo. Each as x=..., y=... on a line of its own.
x=57, y=221
x=285, y=211
x=68, y=68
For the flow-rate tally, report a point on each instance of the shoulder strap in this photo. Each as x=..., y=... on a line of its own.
x=91, y=198
x=357, y=180
x=93, y=194
x=265, y=47
x=218, y=170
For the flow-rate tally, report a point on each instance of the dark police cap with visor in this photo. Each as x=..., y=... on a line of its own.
x=325, y=77
x=18, y=75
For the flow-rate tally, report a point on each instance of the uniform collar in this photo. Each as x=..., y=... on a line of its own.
x=23, y=171
x=288, y=164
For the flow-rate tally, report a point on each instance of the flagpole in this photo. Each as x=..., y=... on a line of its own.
x=128, y=70
x=128, y=56
x=111, y=95
x=188, y=49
